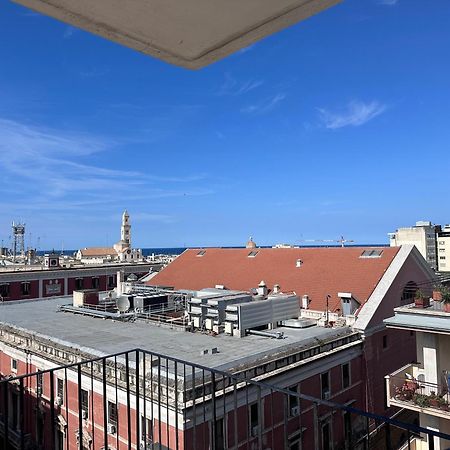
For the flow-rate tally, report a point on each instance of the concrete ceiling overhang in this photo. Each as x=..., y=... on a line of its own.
x=188, y=33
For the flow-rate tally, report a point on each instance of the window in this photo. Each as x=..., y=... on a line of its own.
x=201, y=252
x=79, y=283
x=95, y=282
x=4, y=290
x=442, y=249
x=146, y=430
x=85, y=403
x=60, y=389
x=14, y=365
x=409, y=292
x=253, y=253
x=294, y=407
x=294, y=443
x=112, y=413
x=325, y=385
x=385, y=341
x=59, y=440
x=345, y=375
x=441, y=242
x=371, y=254
x=442, y=257
x=111, y=281
x=254, y=419
x=326, y=436
x=14, y=415
x=219, y=435
x=25, y=288
x=348, y=429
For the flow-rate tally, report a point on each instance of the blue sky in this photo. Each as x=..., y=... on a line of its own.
x=336, y=126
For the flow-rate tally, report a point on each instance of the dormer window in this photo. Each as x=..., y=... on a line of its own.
x=253, y=253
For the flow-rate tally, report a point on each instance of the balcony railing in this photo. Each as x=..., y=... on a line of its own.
x=407, y=387
x=143, y=400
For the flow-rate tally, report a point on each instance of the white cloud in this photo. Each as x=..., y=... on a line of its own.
x=356, y=113
x=264, y=106
x=231, y=86
x=48, y=169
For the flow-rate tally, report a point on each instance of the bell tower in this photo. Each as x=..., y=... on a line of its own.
x=125, y=230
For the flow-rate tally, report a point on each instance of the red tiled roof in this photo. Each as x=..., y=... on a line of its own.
x=98, y=251
x=323, y=271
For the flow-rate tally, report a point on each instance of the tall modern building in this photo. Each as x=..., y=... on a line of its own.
x=423, y=236
x=443, y=249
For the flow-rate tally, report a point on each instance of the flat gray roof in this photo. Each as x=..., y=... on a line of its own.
x=105, y=336
x=432, y=319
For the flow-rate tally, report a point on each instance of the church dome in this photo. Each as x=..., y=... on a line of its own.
x=250, y=243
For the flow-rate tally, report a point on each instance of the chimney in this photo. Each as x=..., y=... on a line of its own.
x=120, y=280
x=262, y=288
x=305, y=301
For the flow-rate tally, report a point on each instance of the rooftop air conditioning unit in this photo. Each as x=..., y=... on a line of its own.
x=111, y=428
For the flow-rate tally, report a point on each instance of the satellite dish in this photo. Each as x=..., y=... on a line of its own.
x=123, y=304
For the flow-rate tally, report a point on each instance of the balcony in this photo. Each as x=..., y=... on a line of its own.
x=407, y=388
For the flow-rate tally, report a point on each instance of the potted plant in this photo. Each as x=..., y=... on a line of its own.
x=421, y=300
x=437, y=292
x=433, y=400
x=421, y=400
x=445, y=299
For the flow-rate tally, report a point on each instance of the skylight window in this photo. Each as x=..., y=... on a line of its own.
x=371, y=254
x=201, y=252
x=253, y=253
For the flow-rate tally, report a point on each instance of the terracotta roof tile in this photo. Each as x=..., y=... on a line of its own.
x=98, y=251
x=323, y=271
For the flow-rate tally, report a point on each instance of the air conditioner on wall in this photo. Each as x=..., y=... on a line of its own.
x=111, y=428
x=58, y=401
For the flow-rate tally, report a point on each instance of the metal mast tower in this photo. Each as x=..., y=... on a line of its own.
x=18, y=230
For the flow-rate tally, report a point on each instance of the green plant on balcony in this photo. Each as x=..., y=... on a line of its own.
x=445, y=298
x=438, y=401
x=421, y=300
x=421, y=400
x=437, y=292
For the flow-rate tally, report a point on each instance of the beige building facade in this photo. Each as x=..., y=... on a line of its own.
x=423, y=387
x=423, y=235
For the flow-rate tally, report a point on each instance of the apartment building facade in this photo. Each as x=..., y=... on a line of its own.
x=423, y=385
